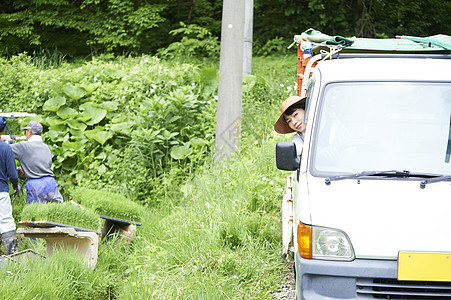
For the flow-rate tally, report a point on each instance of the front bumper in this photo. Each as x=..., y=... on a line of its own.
x=361, y=279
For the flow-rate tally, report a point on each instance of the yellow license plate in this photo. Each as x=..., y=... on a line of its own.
x=427, y=266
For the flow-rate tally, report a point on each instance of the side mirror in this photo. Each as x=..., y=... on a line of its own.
x=286, y=156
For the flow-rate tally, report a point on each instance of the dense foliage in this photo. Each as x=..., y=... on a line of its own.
x=216, y=237
x=83, y=27
x=71, y=25
x=121, y=124
x=362, y=18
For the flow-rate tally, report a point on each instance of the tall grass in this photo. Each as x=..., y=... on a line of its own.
x=62, y=276
x=218, y=239
x=221, y=242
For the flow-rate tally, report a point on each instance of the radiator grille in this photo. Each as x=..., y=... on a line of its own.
x=382, y=288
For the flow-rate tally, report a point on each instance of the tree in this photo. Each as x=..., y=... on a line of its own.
x=362, y=18
x=77, y=27
x=81, y=27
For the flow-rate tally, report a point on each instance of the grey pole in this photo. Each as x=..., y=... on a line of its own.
x=228, y=116
x=248, y=26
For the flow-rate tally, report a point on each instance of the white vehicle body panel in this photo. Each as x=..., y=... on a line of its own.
x=380, y=216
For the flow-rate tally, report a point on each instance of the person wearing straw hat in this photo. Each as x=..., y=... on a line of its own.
x=7, y=171
x=36, y=161
x=292, y=120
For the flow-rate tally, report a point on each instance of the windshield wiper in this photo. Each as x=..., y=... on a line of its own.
x=390, y=173
x=435, y=179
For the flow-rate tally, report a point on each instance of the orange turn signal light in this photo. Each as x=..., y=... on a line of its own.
x=304, y=235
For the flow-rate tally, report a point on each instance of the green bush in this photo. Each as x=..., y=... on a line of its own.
x=67, y=213
x=275, y=46
x=196, y=42
x=116, y=123
x=217, y=229
x=108, y=204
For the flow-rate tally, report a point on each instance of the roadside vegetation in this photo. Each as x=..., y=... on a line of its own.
x=127, y=93
x=208, y=231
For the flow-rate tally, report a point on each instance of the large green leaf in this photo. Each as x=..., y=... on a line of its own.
x=53, y=135
x=97, y=113
x=101, y=169
x=198, y=142
x=60, y=128
x=76, y=133
x=72, y=146
x=101, y=156
x=73, y=91
x=110, y=105
x=51, y=121
x=53, y=104
x=124, y=127
x=99, y=136
x=74, y=124
x=83, y=117
x=67, y=113
x=180, y=152
x=91, y=87
x=38, y=118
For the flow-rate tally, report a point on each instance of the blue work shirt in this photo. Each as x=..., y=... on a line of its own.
x=7, y=168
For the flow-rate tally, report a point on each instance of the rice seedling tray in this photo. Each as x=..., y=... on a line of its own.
x=44, y=224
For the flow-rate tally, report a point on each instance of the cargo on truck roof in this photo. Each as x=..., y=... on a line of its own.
x=439, y=43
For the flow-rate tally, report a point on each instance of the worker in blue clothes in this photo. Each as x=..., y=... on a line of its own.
x=8, y=170
x=36, y=160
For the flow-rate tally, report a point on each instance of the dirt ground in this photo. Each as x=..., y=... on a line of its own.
x=288, y=291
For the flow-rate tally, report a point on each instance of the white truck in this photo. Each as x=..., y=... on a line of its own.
x=368, y=204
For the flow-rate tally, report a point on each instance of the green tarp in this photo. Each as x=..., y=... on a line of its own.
x=316, y=36
x=439, y=43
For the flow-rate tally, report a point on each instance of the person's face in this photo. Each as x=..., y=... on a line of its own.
x=28, y=134
x=296, y=120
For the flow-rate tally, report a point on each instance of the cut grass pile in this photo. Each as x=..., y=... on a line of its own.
x=108, y=204
x=67, y=213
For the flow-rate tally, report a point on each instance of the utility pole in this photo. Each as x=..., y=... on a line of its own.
x=248, y=26
x=228, y=116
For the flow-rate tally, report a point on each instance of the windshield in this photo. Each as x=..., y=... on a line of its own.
x=383, y=126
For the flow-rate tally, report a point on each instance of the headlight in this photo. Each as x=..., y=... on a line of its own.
x=330, y=243
x=323, y=243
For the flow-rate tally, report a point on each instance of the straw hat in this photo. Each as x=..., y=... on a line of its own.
x=281, y=125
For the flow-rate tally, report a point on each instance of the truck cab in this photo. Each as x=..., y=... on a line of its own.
x=370, y=211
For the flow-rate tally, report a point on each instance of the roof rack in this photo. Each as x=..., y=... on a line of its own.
x=340, y=55
x=314, y=46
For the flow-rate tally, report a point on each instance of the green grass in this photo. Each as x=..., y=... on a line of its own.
x=221, y=242
x=67, y=213
x=108, y=204
x=216, y=237
x=61, y=276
